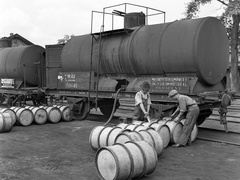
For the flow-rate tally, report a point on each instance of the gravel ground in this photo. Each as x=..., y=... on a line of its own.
x=62, y=152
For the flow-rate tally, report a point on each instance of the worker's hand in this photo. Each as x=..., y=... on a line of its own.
x=149, y=119
x=146, y=114
x=168, y=118
x=173, y=115
x=176, y=120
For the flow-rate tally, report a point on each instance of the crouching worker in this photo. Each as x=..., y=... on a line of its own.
x=142, y=103
x=188, y=105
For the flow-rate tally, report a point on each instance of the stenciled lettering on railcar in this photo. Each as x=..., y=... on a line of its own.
x=74, y=80
x=165, y=84
x=7, y=83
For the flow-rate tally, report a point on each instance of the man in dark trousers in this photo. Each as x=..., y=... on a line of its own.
x=189, y=106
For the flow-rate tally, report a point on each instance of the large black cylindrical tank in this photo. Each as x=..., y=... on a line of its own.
x=196, y=47
x=18, y=62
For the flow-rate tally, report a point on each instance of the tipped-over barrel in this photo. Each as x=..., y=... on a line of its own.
x=5, y=122
x=24, y=116
x=53, y=113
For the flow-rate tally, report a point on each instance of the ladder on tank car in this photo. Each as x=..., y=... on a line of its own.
x=97, y=38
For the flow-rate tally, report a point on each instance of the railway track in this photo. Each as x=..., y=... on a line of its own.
x=231, y=138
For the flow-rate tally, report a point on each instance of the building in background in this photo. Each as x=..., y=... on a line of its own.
x=14, y=40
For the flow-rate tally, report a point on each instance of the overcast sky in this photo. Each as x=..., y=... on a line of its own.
x=43, y=22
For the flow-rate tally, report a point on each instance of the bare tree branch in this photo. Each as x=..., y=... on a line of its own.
x=222, y=2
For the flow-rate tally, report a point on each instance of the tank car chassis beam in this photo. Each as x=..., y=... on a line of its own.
x=160, y=101
x=16, y=96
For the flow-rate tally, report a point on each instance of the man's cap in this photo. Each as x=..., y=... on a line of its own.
x=172, y=93
x=146, y=85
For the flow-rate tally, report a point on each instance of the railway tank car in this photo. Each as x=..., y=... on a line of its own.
x=20, y=70
x=105, y=69
x=188, y=55
x=19, y=63
x=188, y=47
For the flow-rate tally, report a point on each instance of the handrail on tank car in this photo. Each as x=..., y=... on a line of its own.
x=125, y=11
x=145, y=7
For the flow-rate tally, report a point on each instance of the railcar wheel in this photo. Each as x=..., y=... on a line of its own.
x=82, y=110
x=201, y=119
x=203, y=116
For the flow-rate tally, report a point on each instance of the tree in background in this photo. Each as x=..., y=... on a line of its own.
x=231, y=20
x=65, y=39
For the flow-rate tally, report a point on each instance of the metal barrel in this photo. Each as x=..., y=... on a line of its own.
x=39, y=114
x=24, y=116
x=5, y=122
x=130, y=160
x=11, y=112
x=53, y=113
x=66, y=112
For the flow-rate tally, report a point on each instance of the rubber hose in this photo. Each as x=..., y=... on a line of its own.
x=114, y=106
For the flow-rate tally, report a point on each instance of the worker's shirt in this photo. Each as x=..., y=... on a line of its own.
x=185, y=102
x=142, y=98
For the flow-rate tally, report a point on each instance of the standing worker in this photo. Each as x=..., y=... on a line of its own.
x=142, y=103
x=186, y=104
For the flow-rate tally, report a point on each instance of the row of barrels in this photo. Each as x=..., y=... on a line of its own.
x=130, y=160
x=25, y=116
x=125, y=154
x=158, y=134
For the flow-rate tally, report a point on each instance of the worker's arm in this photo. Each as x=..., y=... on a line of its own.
x=177, y=119
x=143, y=109
x=175, y=112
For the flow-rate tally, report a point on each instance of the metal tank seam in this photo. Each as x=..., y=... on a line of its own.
x=6, y=62
x=81, y=50
x=19, y=63
x=198, y=74
x=130, y=47
x=6, y=58
x=103, y=66
x=160, y=46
